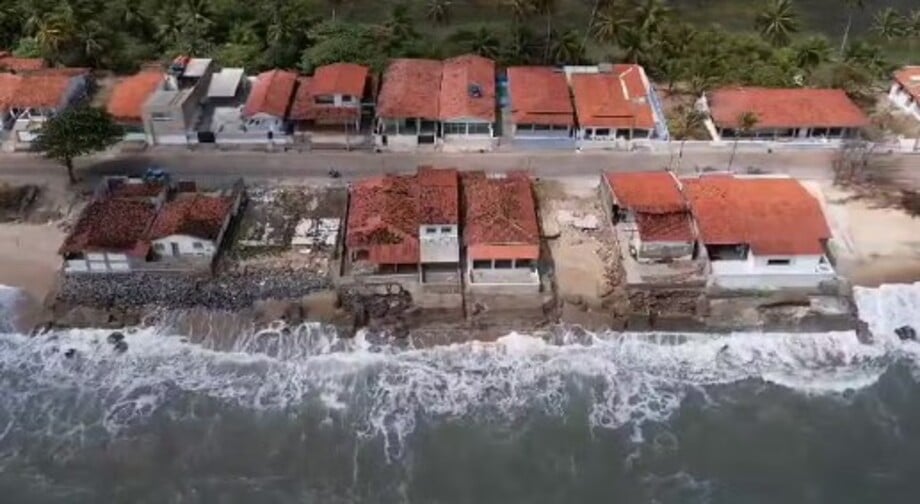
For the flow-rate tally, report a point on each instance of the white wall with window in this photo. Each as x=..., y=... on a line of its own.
x=439, y=243
x=542, y=130
x=184, y=246
x=904, y=100
x=771, y=271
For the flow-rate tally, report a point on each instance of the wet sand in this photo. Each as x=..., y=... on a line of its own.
x=29, y=261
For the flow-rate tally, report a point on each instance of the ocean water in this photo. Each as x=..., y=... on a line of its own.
x=571, y=418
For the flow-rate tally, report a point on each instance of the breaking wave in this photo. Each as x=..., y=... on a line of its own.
x=625, y=379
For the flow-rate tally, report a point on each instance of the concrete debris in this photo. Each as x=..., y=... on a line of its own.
x=313, y=233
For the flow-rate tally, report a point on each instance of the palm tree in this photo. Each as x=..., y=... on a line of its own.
x=650, y=16
x=547, y=8
x=746, y=122
x=868, y=56
x=688, y=120
x=851, y=6
x=438, y=11
x=520, y=9
x=811, y=52
x=598, y=6
x=51, y=31
x=608, y=24
x=633, y=43
x=567, y=47
x=777, y=22
x=889, y=24
x=523, y=46
x=913, y=23
x=485, y=42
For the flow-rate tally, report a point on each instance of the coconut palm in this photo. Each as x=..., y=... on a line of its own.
x=546, y=8
x=650, y=16
x=687, y=121
x=523, y=46
x=913, y=23
x=811, y=52
x=608, y=24
x=889, y=24
x=851, y=6
x=566, y=47
x=520, y=9
x=777, y=22
x=746, y=123
x=634, y=45
x=485, y=42
x=438, y=11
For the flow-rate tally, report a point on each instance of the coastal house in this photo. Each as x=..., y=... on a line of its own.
x=171, y=115
x=126, y=103
x=137, y=225
x=905, y=91
x=798, y=114
x=408, y=105
x=14, y=64
x=614, y=106
x=759, y=232
x=541, y=109
x=29, y=98
x=467, y=104
x=264, y=115
x=649, y=213
x=327, y=106
x=501, y=234
x=405, y=228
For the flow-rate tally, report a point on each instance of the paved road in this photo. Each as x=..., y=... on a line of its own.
x=219, y=167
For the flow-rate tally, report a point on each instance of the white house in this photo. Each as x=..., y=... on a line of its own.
x=28, y=99
x=264, y=115
x=171, y=114
x=327, y=106
x=759, y=232
x=191, y=226
x=905, y=90
x=467, y=104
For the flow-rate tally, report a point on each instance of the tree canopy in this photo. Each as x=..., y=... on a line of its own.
x=76, y=132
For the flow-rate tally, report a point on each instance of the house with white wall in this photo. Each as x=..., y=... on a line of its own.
x=126, y=103
x=614, y=106
x=408, y=106
x=171, y=115
x=264, y=116
x=541, y=110
x=905, y=91
x=191, y=226
x=327, y=106
x=782, y=115
x=29, y=98
x=759, y=232
x=467, y=104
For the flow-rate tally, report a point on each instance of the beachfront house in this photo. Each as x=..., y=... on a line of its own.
x=541, y=109
x=327, y=106
x=759, y=232
x=126, y=103
x=171, y=115
x=408, y=105
x=191, y=226
x=29, y=98
x=615, y=107
x=467, y=104
x=264, y=116
x=784, y=115
x=649, y=212
x=501, y=234
x=905, y=91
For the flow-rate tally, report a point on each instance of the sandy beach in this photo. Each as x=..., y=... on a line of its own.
x=28, y=257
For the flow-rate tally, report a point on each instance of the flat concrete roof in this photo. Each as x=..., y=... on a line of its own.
x=225, y=83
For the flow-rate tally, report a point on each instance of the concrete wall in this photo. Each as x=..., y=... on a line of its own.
x=187, y=246
x=439, y=243
x=803, y=271
x=904, y=101
x=663, y=250
x=100, y=262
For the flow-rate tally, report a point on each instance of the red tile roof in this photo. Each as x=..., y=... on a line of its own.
x=304, y=108
x=9, y=84
x=114, y=225
x=44, y=89
x=909, y=79
x=271, y=94
x=411, y=88
x=121, y=189
x=647, y=192
x=615, y=99
x=340, y=78
x=786, y=108
x=193, y=215
x=499, y=211
x=128, y=97
x=539, y=95
x=672, y=227
x=460, y=75
x=385, y=212
x=775, y=216
x=11, y=63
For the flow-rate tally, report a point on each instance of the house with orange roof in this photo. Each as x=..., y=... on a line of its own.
x=784, y=115
x=466, y=104
x=650, y=213
x=501, y=234
x=905, y=90
x=405, y=228
x=327, y=106
x=29, y=98
x=126, y=103
x=265, y=111
x=15, y=64
x=539, y=112
x=758, y=232
x=408, y=105
x=172, y=113
x=615, y=106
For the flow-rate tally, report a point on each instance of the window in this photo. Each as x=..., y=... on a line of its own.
x=542, y=127
x=819, y=132
x=728, y=133
x=161, y=116
x=324, y=100
x=524, y=127
x=779, y=262
x=602, y=132
x=197, y=245
x=454, y=128
x=479, y=129
x=482, y=264
x=503, y=263
x=431, y=231
x=175, y=248
x=446, y=230
x=524, y=263
x=360, y=255
x=835, y=132
x=158, y=247
x=640, y=133
x=348, y=99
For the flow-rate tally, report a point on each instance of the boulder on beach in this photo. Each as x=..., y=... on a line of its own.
x=115, y=337
x=906, y=333
x=120, y=346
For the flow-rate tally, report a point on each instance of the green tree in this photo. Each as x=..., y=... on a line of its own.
x=777, y=22
x=520, y=9
x=913, y=23
x=608, y=24
x=634, y=45
x=747, y=121
x=438, y=11
x=546, y=8
x=889, y=24
x=566, y=47
x=76, y=132
x=650, y=16
x=522, y=48
x=685, y=123
x=811, y=52
x=852, y=6
x=869, y=57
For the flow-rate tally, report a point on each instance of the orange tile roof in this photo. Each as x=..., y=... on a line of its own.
x=499, y=212
x=775, y=216
x=411, y=88
x=674, y=226
x=271, y=94
x=9, y=84
x=385, y=213
x=647, y=192
x=909, y=79
x=539, y=95
x=126, y=103
x=11, y=63
x=459, y=76
x=786, y=108
x=340, y=78
x=40, y=90
x=616, y=99
x=115, y=225
x=303, y=108
x=193, y=215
